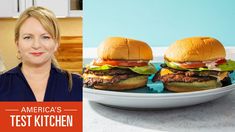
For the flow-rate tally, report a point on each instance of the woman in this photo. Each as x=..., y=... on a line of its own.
x=38, y=77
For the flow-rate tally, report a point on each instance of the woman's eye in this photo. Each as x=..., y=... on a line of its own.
x=27, y=37
x=46, y=37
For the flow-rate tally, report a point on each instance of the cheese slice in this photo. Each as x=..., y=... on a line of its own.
x=165, y=71
x=85, y=76
x=221, y=76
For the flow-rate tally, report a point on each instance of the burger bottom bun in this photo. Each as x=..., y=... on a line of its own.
x=130, y=83
x=190, y=87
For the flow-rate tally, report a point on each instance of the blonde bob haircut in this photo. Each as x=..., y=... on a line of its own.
x=49, y=22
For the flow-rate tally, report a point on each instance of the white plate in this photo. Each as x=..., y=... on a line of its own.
x=154, y=100
x=142, y=99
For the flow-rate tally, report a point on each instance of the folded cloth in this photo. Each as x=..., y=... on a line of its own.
x=232, y=76
x=156, y=87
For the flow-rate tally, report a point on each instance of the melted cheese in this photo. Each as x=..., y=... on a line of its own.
x=165, y=72
x=222, y=75
x=85, y=76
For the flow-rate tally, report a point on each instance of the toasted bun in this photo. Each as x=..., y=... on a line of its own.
x=183, y=89
x=189, y=87
x=130, y=83
x=124, y=49
x=195, y=49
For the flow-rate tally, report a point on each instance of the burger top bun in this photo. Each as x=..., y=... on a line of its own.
x=195, y=49
x=118, y=48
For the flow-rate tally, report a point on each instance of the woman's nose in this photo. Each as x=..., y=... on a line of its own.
x=36, y=44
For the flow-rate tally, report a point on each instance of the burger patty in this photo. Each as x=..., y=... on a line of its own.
x=191, y=73
x=183, y=78
x=90, y=82
x=111, y=72
x=189, y=76
x=117, y=74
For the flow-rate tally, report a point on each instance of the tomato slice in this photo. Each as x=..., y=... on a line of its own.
x=100, y=62
x=221, y=61
x=189, y=65
x=192, y=65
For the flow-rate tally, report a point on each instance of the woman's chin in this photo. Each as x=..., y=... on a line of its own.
x=38, y=63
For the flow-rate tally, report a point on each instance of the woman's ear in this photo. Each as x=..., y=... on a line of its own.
x=18, y=51
x=17, y=44
x=56, y=46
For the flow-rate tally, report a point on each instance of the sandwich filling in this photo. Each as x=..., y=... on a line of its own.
x=192, y=78
x=107, y=74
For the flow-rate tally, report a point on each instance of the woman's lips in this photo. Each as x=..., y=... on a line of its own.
x=36, y=53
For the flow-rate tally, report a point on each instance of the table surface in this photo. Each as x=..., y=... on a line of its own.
x=215, y=116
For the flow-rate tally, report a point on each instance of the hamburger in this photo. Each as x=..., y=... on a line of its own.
x=193, y=64
x=122, y=64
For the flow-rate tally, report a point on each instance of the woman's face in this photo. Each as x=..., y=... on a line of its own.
x=36, y=46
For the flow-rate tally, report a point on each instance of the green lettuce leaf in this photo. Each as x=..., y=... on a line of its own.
x=229, y=66
x=150, y=69
x=174, y=66
x=99, y=68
